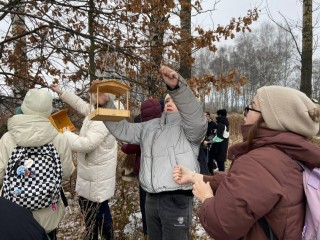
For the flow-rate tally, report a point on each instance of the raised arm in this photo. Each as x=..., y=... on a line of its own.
x=73, y=100
x=194, y=122
x=94, y=137
x=125, y=131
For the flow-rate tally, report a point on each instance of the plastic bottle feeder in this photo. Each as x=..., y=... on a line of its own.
x=106, y=114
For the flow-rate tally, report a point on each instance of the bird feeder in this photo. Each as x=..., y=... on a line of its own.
x=107, y=114
x=61, y=120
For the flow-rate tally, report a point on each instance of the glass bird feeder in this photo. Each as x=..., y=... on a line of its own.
x=107, y=114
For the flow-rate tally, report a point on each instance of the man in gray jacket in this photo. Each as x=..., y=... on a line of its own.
x=166, y=142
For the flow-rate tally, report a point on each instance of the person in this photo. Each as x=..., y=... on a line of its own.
x=263, y=189
x=150, y=109
x=219, y=148
x=173, y=138
x=207, y=162
x=212, y=126
x=15, y=215
x=30, y=127
x=131, y=164
x=97, y=161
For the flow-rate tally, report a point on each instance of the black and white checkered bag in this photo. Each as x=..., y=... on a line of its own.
x=33, y=177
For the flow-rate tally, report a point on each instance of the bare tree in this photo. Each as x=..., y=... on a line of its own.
x=307, y=49
x=308, y=44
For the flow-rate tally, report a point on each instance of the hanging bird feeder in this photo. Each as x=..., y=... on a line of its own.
x=61, y=120
x=107, y=114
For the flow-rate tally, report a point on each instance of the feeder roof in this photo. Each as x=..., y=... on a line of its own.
x=110, y=86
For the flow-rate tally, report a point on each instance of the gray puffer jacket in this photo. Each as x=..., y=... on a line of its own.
x=167, y=141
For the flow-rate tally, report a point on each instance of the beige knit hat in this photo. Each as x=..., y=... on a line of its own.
x=37, y=102
x=287, y=109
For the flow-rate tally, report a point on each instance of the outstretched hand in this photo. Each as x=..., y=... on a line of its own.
x=55, y=88
x=202, y=190
x=183, y=175
x=94, y=82
x=169, y=76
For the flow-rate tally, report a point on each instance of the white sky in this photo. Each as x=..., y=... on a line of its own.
x=226, y=9
x=290, y=9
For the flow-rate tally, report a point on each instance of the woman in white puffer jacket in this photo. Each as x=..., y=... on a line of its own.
x=97, y=160
x=30, y=127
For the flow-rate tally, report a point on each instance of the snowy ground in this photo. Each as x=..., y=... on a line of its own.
x=125, y=211
x=126, y=216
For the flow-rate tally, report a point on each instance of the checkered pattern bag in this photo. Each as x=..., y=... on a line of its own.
x=33, y=177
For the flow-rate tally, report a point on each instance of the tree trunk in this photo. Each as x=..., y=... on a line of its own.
x=156, y=35
x=20, y=83
x=185, y=47
x=92, y=65
x=306, y=56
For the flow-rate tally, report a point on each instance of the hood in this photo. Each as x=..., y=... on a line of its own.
x=150, y=109
x=170, y=118
x=295, y=146
x=223, y=120
x=31, y=130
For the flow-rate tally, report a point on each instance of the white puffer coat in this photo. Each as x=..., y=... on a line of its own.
x=96, y=154
x=35, y=131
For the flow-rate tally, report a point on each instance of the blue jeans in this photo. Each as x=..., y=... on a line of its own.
x=169, y=216
x=97, y=218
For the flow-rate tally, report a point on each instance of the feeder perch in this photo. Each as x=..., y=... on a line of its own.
x=107, y=114
x=60, y=120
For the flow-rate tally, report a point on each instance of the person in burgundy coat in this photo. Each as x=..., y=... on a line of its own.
x=262, y=195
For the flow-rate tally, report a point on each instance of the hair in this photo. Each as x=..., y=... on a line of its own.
x=94, y=97
x=208, y=113
x=315, y=114
x=222, y=112
x=253, y=132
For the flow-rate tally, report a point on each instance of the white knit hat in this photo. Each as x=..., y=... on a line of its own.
x=37, y=102
x=287, y=109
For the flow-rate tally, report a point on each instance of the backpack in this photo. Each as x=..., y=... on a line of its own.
x=311, y=184
x=33, y=177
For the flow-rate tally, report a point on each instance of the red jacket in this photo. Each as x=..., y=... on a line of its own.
x=264, y=182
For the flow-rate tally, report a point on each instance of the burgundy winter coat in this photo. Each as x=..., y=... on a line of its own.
x=264, y=182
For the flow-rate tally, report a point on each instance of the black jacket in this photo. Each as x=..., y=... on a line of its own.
x=17, y=223
x=212, y=126
x=219, y=150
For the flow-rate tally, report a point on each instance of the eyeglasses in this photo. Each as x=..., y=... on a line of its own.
x=248, y=108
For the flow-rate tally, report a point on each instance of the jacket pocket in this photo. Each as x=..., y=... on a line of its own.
x=172, y=157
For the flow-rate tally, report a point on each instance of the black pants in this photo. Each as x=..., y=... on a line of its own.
x=221, y=166
x=203, y=161
x=143, y=196
x=210, y=153
x=97, y=218
x=52, y=235
x=169, y=216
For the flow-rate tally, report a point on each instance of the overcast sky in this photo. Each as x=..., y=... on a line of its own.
x=226, y=9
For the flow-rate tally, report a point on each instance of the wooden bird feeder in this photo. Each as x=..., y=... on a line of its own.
x=106, y=114
x=60, y=120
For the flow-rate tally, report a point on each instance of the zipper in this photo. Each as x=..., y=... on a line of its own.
x=152, y=144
